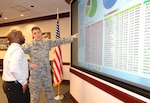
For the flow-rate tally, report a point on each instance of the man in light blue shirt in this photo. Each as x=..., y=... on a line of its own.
x=15, y=71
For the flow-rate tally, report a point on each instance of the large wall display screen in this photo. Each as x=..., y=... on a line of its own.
x=114, y=40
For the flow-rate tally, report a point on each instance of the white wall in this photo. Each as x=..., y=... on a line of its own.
x=85, y=92
x=46, y=26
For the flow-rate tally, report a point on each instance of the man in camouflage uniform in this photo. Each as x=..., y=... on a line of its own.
x=40, y=76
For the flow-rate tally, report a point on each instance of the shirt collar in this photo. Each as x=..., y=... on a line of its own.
x=15, y=44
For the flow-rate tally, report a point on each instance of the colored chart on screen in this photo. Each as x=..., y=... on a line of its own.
x=109, y=3
x=91, y=8
x=111, y=46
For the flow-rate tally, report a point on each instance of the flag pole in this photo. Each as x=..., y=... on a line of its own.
x=58, y=89
x=58, y=96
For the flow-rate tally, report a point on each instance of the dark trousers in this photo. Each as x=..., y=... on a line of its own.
x=14, y=92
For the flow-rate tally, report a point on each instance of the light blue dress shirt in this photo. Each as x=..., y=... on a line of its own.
x=15, y=65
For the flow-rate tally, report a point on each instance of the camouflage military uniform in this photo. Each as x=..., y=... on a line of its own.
x=41, y=77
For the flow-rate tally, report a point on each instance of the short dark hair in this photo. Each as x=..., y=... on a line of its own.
x=35, y=28
x=11, y=35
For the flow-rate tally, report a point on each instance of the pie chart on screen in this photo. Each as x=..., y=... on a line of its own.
x=109, y=3
x=91, y=8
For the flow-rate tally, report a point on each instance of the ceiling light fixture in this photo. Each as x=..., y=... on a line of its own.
x=31, y=6
x=21, y=14
x=1, y=14
x=5, y=18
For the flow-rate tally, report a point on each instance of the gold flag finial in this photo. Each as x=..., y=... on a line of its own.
x=57, y=14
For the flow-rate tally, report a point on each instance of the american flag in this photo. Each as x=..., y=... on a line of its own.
x=57, y=62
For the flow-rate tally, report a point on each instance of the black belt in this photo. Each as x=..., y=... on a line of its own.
x=16, y=82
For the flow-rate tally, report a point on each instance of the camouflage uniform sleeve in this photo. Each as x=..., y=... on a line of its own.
x=60, y=41
x=26, y=48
